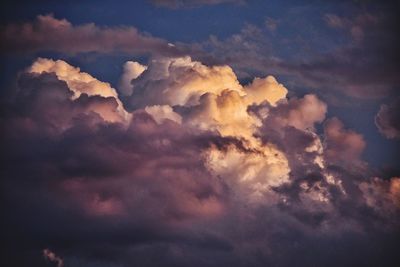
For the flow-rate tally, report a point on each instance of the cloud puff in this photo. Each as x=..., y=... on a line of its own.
x=51, y=256
x=387, y=120
x=301, y=113
x=47, y=33
x=265, y=89
x=225, y=113
x=342, y=145
x=205, y=168
x=161, y=113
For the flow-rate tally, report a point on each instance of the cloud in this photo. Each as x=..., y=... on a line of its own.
x=225, y=113
x=251, y=174
x=271, y=24
x=205, y=168
x=265, y=89
x=161, y=113
x=387, y=119
x=300, y=113
x=175, y=4
x=212, y=97
x=47, y=33
x=213, y=100
x=51, y=256
x=342, y=145
x=131, y=71
x=363, y=65
x=355, y=26
x=179, y=81
x=383, y=196
x=82, y=83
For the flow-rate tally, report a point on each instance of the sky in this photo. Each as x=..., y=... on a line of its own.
x=199, y=133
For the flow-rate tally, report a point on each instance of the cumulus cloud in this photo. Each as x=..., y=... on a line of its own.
x=204, y=167
x=207, y=98
x=387, y=119
x=211, y=99
x=47, y=33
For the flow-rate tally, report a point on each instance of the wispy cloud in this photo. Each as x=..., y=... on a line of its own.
x=51, y=256
x=364, y=67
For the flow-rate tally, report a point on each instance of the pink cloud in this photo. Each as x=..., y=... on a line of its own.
x=47, y=33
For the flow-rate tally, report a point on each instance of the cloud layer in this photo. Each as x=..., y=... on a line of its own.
x=47, y=33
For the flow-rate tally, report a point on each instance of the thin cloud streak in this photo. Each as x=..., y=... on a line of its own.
x=48, y=33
